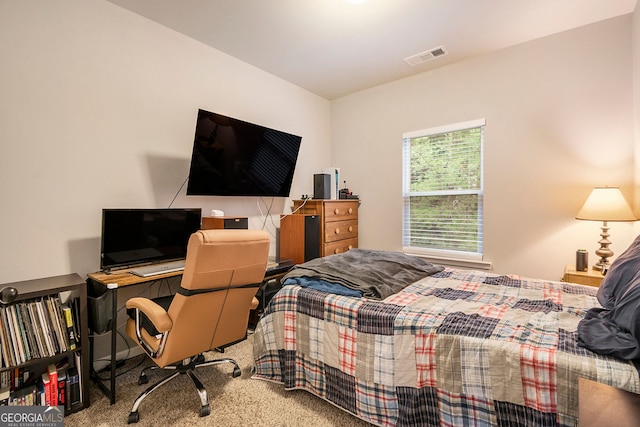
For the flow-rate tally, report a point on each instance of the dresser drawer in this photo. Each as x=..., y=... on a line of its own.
x=338, y=211
x=340, y=246
x=339, y=230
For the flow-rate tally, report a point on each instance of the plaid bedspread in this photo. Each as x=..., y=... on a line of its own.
x=457, y=348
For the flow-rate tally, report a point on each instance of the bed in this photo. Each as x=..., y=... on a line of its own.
x=452, y=348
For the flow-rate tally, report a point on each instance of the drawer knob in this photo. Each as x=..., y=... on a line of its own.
x=336, y=251
x=337, y=231
x=350, y=210
x=350, y=229
x=336, y=211
x=349, y=247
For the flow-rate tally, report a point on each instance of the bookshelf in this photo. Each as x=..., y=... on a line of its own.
x=36, y=341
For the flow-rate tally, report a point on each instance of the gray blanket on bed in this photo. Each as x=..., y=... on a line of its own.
x=377, y=274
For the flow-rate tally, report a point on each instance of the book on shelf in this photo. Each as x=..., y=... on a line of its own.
x=25, y=396
x=24, y=345
x=45, y=328
x=35, y=329
x=62, y=387
x=29, y=329
x=78, y=364
x=73, y=387
x=71, y=335
x=59, y=338
x=53, y=383
x=5, y=387
x=56, y=386
x=42, y=400
x=47, y=325
x=13, y=334
x=5, y=340
x=45, y=389
x=75, y=310
x=61, y=323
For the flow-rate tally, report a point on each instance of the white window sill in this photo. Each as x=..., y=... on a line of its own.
x=451, y=261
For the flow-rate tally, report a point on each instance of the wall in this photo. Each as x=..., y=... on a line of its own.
x=98, y=110
x=559, y=114
x=636, y=105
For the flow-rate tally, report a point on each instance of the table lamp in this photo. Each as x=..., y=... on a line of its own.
x=605, y=204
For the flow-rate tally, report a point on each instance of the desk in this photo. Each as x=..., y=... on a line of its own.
x=275, y=271
x=113, y=281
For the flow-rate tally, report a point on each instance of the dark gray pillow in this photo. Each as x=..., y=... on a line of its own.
x=624, y=271
x=615, y=329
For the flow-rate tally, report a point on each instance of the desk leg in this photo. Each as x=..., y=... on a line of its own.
x=114, y=330
x=110, y=391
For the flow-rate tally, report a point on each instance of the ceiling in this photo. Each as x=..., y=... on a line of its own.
x=335, y=47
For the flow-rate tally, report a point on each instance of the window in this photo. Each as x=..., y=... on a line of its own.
x=442, y=191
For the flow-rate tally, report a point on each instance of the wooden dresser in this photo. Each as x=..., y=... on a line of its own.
x=338, y=223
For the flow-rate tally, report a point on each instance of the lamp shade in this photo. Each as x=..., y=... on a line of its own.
x=606, y=204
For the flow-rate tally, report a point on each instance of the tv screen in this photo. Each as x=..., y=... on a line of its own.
x=133, y=237
x=232, y=157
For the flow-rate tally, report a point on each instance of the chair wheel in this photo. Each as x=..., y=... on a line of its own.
x=134, y=417
x=205, y=410
x=143, y=379
x=236, y=372
x=199, y=359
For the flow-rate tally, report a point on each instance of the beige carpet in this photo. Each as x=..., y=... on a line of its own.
x=238, y=401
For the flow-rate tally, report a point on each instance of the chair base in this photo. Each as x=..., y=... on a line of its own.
x=181, y=369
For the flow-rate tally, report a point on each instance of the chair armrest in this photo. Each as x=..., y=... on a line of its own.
x=160, y=319
x=156, y=314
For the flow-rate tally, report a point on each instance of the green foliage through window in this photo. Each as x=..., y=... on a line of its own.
x=443, y=189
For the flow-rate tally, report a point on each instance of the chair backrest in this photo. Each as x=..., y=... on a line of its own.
x=223, y=271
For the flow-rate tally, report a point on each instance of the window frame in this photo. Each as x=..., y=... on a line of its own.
x=446, y=256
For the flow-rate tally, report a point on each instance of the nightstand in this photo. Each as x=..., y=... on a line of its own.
x=589, y=277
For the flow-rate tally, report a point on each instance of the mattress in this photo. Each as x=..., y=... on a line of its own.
x=456, y=348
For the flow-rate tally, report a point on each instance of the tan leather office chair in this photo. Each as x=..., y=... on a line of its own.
x=223, y=270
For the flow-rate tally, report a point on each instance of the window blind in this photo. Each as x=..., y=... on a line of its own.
x=443, y=188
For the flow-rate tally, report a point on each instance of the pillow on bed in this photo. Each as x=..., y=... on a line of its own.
x=624, y=271
x=614, y=332
x=615, y=329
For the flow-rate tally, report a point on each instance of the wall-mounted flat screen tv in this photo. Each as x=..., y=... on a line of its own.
x=232, y=157
x=132, y=237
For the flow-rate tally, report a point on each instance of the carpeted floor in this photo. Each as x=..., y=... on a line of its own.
x=238, y=401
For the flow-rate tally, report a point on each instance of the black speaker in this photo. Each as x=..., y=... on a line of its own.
x=299, y=238
x=311, y=237
x=225, y=222
x=322, y=186
x=236, y=223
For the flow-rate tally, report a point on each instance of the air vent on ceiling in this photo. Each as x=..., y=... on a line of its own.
x=422, y=57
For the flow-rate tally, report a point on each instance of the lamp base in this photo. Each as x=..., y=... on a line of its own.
x=601, y=266
x=603, y=252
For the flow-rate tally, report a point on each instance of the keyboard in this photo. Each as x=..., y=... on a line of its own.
x=155, y=269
